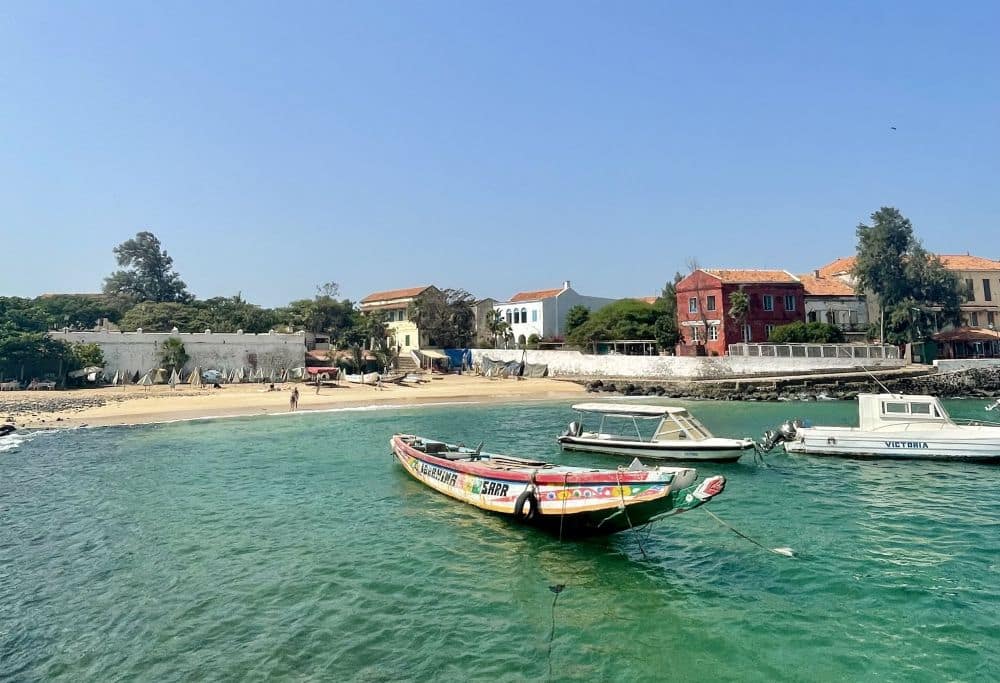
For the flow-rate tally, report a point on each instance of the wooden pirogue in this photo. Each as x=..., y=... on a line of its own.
x=570, y=501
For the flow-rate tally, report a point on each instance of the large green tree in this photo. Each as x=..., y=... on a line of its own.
x=446, y=316
x=624, y=319
x=914, y=291
x=576, y=315
x=147, y=273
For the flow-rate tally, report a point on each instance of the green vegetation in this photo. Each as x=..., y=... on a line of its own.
x=87, y=355
x=148, y=274
x=624, y=319
x=806, y=333
x=915, y=292
x=576, y=316
x=497, y=327
x=445, y=316
x=172, y=354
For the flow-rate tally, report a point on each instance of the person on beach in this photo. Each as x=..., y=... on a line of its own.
x=293, y=400
x=317, y=384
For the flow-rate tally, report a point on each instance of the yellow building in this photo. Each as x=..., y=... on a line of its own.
x=394, y=304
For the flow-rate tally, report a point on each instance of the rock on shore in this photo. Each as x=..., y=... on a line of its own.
x=974, y=383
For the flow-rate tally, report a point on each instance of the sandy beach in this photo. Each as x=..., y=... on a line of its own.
x=141, y=405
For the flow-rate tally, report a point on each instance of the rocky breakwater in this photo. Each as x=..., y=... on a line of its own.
x=974, y=383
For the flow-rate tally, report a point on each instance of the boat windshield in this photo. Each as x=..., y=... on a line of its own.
x=679, y=426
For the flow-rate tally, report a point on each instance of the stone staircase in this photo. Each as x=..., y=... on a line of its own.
x=405, y=363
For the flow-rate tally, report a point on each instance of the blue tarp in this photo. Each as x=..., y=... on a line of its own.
x=459, y=357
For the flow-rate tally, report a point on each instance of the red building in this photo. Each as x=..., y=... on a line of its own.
x=776, y=297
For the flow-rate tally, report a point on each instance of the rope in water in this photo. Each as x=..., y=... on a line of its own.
x=557, y=589
x=785, y=552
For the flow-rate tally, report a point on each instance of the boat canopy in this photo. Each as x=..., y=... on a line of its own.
x=623, y=410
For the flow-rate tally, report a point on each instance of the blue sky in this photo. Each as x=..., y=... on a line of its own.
x=489, y=146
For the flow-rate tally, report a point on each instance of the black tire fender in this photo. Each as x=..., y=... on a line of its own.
x=527, y=496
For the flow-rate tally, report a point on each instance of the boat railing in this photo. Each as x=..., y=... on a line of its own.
x=974, y=422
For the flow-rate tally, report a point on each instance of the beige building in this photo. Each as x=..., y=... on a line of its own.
x=978, y=276
x=395, y=304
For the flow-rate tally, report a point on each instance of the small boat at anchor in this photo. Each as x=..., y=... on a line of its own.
x=895, y=426
x=678, y=435
x=570, y=501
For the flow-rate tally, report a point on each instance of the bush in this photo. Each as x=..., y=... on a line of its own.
x=533, y=341
x=806, y=333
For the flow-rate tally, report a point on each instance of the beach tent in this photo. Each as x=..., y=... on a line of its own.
x=116, y=379
x=194, y=379
x=159, y=376
x=146, y=380
x=174, y=380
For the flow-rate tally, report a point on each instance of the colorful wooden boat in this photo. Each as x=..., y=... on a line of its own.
x=570, y=501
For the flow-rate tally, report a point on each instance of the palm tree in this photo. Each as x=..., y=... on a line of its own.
x=172, y=355
x=497, y=326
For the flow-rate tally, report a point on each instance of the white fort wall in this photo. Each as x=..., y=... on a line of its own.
x=576, y=364
x=141, y=351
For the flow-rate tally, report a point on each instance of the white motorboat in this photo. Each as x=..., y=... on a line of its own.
x=894, y=426
x=678, y=435
x=366, y=378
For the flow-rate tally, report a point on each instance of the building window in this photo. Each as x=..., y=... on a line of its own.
x=693, y=305
x=768, y=329
x=510, y=319
x=768, y=302
x=517, y=316
x=710, y=303
x=987, y=294
x=970, y=293
x=789, y=302
x=747, y=334
x=974, y=319
x=713, y=331
x=407, y=342
x=534, y=315
x=695, y=336
x=524, y=315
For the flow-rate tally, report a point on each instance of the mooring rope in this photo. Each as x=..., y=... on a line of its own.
x=557, y=589
x=635, y=532
x=785, y=552
x=562, y=517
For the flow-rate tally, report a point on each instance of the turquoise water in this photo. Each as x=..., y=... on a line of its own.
x=293, y=548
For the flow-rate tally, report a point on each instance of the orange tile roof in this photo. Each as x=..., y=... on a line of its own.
x=950, y=261
x=838, y=267
x=741, y=277
x=967, y=262
x=539, y=294
x=825, y=286
x=395, y=294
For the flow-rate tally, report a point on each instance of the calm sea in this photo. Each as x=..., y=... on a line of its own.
x=293, y=548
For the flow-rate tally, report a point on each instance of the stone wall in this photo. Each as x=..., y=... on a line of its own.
x=141, y=351
x=576, y=364
x=963, y=364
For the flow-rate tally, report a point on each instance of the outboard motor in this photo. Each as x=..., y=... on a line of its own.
x=786, y=432
x=574, y=429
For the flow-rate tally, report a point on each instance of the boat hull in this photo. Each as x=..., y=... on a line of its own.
x=710, y=450
x=568, y=501
x=903, y=445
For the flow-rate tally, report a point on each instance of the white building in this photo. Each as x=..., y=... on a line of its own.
x=543, y=312
x=832, y=300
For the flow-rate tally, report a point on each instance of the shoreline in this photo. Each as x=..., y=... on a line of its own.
x=113, y=406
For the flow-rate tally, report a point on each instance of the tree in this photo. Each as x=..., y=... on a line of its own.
x=164, y=316
x=25, y=354
x=912, y=287
x=624, y=319
x=172, y=354
x=149, y=274
x=497, y=326
x=323, y=313
x=87, y=355
x=576, y=316
x=739, y=307
x=806, y=333
x=446, y=316
x=666, y=331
